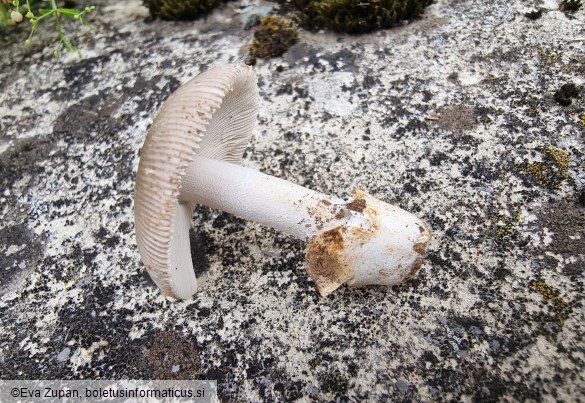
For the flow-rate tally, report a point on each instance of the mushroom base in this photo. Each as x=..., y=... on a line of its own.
x=387, y=251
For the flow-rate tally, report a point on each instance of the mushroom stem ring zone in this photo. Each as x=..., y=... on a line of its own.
x=191, y=156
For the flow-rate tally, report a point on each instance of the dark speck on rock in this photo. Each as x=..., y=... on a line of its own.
x=534, y=14
x=285, y=89
x=581, y=198
x=369, y=82
x=565, y=94
x=111, y=242
x=124, y=227
x=102, y=233
x=409, y=188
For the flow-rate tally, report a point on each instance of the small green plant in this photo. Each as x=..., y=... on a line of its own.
x=11, y=13
x=273, y=37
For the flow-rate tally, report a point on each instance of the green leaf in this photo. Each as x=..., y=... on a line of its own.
x=68, y=11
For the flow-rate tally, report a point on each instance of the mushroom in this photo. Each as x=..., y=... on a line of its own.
x=191, y=155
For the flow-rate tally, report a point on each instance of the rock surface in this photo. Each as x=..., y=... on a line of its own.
x=452, y=117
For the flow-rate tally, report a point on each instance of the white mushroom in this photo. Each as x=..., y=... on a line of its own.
x=191, y=155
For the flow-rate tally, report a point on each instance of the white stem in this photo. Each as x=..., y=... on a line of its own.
x=254, y=196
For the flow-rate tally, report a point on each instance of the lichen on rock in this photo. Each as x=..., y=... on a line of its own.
x=553, y=170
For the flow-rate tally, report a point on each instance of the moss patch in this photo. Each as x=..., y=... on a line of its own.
x=356, y=16
x=180, y=9
x=273, y=37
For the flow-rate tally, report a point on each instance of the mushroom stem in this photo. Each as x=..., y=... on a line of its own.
x=361, y=241
x=264, y=199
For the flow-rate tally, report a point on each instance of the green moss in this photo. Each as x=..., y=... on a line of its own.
x=553, y=170
x=180, y=9
x=355, y=16
x=273, y=37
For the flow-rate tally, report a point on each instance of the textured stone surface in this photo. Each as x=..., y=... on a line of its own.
x=452, y=117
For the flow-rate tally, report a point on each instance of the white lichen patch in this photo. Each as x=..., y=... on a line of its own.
x=83, y=356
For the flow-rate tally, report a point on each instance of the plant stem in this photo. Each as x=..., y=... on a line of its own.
x=4, y=16
x=58, y=23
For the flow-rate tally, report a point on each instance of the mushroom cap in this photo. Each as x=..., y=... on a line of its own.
x=212, y=115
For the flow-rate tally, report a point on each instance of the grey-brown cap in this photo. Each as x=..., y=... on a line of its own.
x=212, y=115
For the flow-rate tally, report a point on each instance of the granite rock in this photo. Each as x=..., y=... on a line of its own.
x=452, y=117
